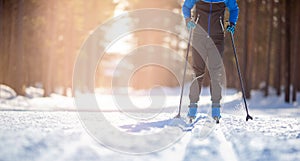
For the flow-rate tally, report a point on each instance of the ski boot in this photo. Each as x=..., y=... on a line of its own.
x=215, y=113
x=192, y=111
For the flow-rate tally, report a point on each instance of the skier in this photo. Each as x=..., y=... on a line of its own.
x=211, y=19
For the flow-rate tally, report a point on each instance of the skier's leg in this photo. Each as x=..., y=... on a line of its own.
x=217, y=73
x=199, y=70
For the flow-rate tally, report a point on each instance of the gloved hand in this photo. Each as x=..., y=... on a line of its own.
x=231, y=28
x=190, y=24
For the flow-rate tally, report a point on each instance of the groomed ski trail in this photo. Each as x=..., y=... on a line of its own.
x=207, y=141
x=225, y=147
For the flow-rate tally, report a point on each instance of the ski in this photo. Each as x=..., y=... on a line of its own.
x=191, y=123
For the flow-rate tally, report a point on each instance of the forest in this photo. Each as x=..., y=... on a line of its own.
x=40, y=40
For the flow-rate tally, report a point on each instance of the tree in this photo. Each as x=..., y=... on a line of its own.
x=295, y=62
x=288, y=6
x=2, y=43
x=251, y=45
x=269, y=47
x=278, y=49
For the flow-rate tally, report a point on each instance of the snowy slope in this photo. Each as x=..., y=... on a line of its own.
x=56, y=132
x=60, y=136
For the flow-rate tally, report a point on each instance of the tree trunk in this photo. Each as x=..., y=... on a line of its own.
x=2, y=54
x=15, y=51
x=269, y=48
x=288, y=51
x=277, y=74
x=245, y=46
x=251, y=46
x=7, y=19
x=21, y=73
x=48, y=77
x=295, y=51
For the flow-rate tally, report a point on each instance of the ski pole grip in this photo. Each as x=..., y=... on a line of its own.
x=228, y=22
x=197, y=19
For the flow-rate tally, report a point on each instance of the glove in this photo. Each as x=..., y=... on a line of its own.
x=190, y=24
x=231, y=28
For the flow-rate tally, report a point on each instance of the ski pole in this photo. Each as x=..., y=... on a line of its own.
x=185, y=66
x=240, y=76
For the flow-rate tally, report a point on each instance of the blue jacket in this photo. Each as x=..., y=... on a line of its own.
x=230, y=4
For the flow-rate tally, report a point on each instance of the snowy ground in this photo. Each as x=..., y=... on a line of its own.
x=51, y=129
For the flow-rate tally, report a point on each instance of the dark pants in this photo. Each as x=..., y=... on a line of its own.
x=208, y=47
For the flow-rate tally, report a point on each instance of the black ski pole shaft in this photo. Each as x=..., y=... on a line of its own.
x=185, y=66
x=240, y=77
x=184, y=73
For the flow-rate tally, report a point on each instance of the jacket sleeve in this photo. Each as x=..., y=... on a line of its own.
x=233, y=10
x=187, y=7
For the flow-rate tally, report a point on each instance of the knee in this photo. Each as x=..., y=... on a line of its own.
x=199, y=71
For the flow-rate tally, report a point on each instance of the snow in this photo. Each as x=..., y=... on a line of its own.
x=7, y=92
x=50, y=128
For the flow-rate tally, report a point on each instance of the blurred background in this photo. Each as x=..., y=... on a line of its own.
x=40, y=40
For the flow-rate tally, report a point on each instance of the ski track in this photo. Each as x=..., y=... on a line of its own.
x=225, y=148
x=264, y=138
x=33, y=136
x=214, y=146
